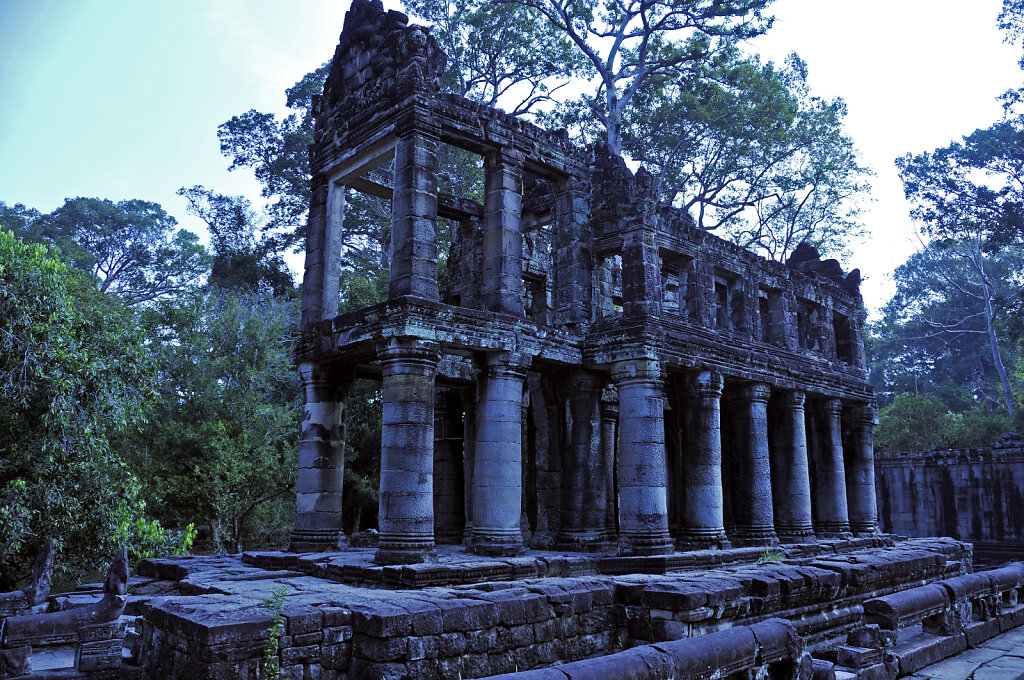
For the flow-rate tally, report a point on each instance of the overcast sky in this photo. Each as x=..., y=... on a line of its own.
x=122, y=98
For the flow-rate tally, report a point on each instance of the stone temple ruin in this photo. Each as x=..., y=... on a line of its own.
x=614, y=446
x=597, y=373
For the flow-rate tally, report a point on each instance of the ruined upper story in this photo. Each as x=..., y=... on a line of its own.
x=568, y=246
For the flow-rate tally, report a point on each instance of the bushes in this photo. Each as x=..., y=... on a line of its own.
x=920, y=423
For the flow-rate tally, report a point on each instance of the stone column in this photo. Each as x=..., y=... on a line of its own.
x=497, y=476
x=468, y=451
x=323, y=252
x=609, y=420
x=751, y=504
x=831, y=518
x=584, y=482
x=502, y=282
x=406, y=515
x=321, y=460
x=414, y=217
x=449, y=519
x=791, y=479
x=860, y=470
x=703, y=521
x=643, y=477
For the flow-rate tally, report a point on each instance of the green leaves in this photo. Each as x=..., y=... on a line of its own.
x=74, y=376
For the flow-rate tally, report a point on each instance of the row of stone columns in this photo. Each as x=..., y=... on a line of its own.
x=770, y=468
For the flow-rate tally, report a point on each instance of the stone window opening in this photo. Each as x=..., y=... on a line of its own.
x=770, y=317
x=844, y=337
x=807, y=320
x=677, y=286
x=536, y=302
x=608, y=286
x=728, y=302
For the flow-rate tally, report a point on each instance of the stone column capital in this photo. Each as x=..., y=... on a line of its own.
x=417, y=120
x=504, y=156
x=863, y=413
x=637, y=371
x=423, y=354
x=831, y=406
x=507, y=365
x=706, y=385
x=752, y=393
x=791, y=399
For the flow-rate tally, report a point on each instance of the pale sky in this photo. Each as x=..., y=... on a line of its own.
x=122, y=98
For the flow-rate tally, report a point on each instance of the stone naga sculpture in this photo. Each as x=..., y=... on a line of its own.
x=22, y=630
x=31, y=599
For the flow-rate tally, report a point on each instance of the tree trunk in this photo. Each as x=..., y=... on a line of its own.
x=997, y=358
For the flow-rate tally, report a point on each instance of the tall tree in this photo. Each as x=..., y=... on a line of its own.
x=131, y=247
x=221, y=445
x=628, y=42
x=744, y=147
x=501, y=55
x=246, y=255
x=74, y=379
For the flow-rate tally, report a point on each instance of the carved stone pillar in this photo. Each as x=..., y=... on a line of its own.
x=406, y=514
x=584, y=482
x=791, y=479
x=609, y=420
x=323, y=252
x=449, y=518
x=497, y=476
x=468, y=458
x=703, y=520
x=831, y=518
x=751, y=502
x=860, y=470
x=642, y=473
x=321, y=460
x=414, y=217
x=502, y=282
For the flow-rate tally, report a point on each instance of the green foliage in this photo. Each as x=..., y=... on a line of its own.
x=915, y=422
x=771, y=556
x=901, y=424
x=131, y=247
x=221, y=446
x=501, y=54
x=362, y=454
x=275, y=603
x=743, y=146
x=74, y=377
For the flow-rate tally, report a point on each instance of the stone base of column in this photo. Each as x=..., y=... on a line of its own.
x=832, y=530
x=404, y=549
x=317, y=540
x=645, y=544
x=497, y=542
x=583, y=541
x=753, y=536
x=696, y=539
x=796, y=534
x=864, y=529
x=448, y=536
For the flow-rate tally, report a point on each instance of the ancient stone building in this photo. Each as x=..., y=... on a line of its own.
x=596, y=374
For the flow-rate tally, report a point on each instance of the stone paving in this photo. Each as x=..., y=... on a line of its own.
x=1001, y=658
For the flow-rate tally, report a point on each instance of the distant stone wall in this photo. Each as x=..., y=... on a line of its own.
x=973, y=495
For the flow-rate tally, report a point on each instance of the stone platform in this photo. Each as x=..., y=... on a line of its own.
x=207, y=617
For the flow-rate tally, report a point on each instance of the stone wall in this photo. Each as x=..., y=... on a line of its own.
x=218, y=626
x=970, y=494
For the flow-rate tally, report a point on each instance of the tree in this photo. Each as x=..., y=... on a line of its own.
x=935, y=334
x=744, y=147
x=246, y=255
x=500, y=53
x=899, y=424
x=277, y=151
x=968, y=197
x=1011, y=20
x=221, y=445
x=74, y=379
x=131, y=247
x=629, y=42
